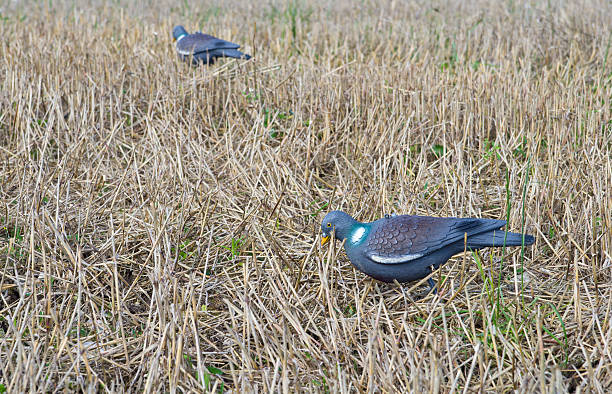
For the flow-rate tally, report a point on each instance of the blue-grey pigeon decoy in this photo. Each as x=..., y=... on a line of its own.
x=203, y=47
x=405, y=247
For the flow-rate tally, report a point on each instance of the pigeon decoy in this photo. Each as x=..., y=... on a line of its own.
x=203, y=47
x=405, y=247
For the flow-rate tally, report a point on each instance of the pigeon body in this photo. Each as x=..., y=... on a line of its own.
x=204, y=48
x=405, y=247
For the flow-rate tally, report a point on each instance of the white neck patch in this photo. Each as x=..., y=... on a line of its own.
x=357, y=235
x=181, y=37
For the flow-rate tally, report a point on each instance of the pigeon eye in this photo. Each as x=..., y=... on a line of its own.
x=328, y=224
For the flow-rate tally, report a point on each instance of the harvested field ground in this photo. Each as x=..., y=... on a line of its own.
x=160, y=222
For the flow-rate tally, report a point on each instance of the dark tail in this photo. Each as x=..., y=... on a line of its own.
x=232, y=53
x=496, y=238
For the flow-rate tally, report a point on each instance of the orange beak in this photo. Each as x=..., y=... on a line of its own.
x=324, y=240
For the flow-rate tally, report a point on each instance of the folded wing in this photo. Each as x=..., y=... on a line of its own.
x=400, y=239
x=199, y=42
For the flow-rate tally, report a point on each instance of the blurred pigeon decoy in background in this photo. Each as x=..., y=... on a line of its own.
x=203, y=47
x=405, y=247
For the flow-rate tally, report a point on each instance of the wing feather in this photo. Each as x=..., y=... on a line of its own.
x=399, y=239
x=198, y=42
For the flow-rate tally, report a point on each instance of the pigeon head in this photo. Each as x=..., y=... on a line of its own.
x=338, y=222
x=178, y=32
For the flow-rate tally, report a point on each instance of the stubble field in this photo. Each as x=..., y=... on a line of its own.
x=160, y=222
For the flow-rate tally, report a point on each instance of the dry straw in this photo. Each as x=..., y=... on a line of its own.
x=160, y=222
